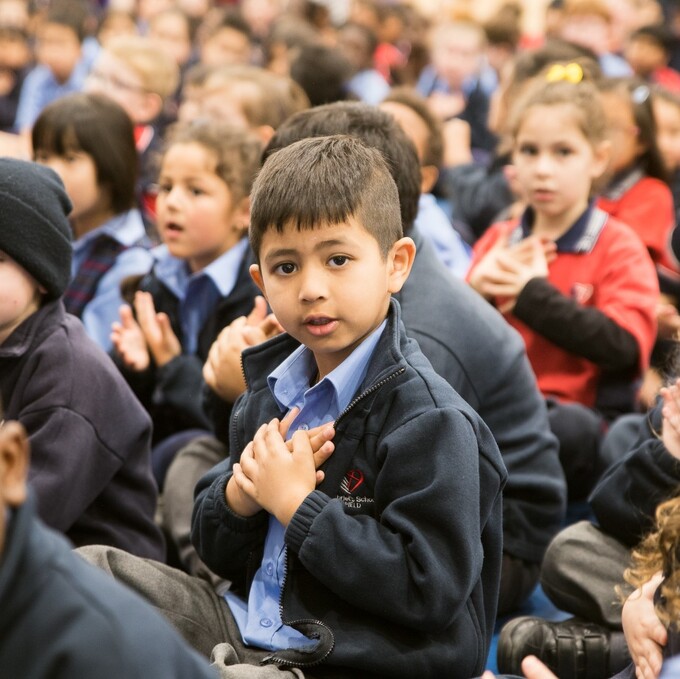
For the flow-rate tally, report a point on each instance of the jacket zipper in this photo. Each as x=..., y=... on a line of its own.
x=368, y=392
x=283, y=661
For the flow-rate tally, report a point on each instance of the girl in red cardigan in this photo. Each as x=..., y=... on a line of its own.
x=577, y=284
x=638, y=193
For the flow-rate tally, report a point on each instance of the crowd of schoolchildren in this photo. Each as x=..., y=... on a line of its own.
x=322, y=325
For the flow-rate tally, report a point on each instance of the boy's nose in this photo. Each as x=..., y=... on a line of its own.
x=312, y=285
x=544, y=164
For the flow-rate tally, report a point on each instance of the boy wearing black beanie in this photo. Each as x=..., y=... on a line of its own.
x=90, y=468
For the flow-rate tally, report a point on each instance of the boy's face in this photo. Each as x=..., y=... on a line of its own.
x=13, y=470
x=330, y=286
x=19, y=296
x=58, y=48
x=457, y=55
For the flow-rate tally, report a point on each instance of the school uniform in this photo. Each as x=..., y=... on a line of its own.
x=198, y=307
x=645, y=204
x=415, y=478
x=89, y=435
x=102, y=259
x=589, y=329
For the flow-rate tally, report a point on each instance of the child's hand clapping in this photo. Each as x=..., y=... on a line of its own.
x=150, y=336
x=222, y=371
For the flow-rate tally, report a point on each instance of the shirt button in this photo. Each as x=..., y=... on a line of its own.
x=269, y=569
x=266, y=622
x=304, y=427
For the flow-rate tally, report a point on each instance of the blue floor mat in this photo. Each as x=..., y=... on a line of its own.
x=539, y=605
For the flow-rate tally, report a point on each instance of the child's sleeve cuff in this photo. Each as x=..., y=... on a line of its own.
x=302, y=520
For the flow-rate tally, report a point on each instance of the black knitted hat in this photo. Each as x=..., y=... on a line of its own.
x=34, y=229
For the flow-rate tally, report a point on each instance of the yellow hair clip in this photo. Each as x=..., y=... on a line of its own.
x=572, y=73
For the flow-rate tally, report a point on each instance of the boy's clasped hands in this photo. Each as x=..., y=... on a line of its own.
x=277, y=475
x=505, y=269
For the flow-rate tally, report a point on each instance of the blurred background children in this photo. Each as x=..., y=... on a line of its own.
x=88, y=140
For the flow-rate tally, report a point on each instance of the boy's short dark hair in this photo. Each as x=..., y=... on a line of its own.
x=322, y=72
x=434, y=149
x=375, y=128
x=325, y=181
x=75, y=123
x=71, y=13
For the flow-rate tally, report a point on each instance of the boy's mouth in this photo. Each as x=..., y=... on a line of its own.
x=172, y=227
x=320, y=325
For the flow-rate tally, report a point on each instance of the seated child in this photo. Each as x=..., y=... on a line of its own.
x=577, y=284
x=425, y=131
x=199, y=282
x=326, y=229
x=62, y=62
x=89, y=435
x=136, y=73
x=87, y=139
x=61, y=617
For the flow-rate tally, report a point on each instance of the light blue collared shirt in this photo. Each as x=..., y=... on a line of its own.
x=259, y=619
x=198, y=292
x=102, y=310
x=433, y=223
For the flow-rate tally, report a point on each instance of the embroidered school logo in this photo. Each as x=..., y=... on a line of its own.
x=582, y=292
x=353, y=479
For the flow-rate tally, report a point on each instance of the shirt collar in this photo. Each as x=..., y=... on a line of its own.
x=223, y=272
x=126, y=228
x=581, y=236
x=290, y=381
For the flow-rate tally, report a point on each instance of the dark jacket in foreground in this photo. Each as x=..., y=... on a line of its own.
x=89, y=435
x=64, y=619
x=394, y=560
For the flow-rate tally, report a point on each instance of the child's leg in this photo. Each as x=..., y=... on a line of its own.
x=190, y=604
x=579, y=431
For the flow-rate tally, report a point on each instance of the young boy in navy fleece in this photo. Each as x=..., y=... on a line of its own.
x=376, y=553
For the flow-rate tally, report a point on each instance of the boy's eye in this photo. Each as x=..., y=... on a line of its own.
x=528, y=149
x=286, y=268
x=338, y=260
x=564, y=151
x=164, y=187
x=195, y=191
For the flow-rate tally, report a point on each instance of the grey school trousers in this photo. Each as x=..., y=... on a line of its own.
x=580, y=573
x=194, y=609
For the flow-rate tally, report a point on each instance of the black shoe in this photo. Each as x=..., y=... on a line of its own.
x=572, y=649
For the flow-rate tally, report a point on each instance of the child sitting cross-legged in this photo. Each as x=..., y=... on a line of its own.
x=377, y=553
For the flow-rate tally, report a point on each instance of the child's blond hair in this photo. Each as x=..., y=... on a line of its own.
x=157, y=73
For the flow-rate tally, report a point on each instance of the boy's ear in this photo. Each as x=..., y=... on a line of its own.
x=428, y=178
x=14, y=456
x=400, y=261
x=256, y=275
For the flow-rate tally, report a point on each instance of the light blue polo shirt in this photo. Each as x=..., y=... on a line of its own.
x=198, y=293
x=259, y=619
